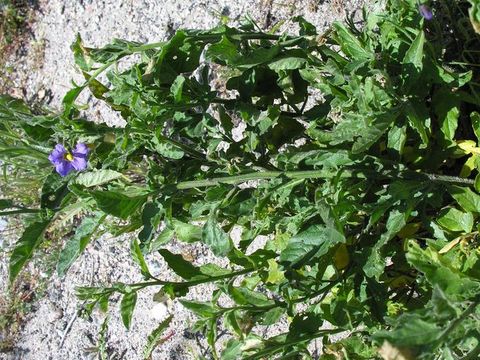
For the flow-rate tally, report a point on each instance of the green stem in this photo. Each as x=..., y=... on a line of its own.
x=214, y=38
x=234, y=102
x=316, y=174
x=193, y=282
x=449, y=179
x=260, y=175
x=147, y=47
x=20, y=211
x=238, y=36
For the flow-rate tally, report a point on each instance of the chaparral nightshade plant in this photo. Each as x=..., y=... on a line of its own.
x=66, y=161
x=372, y=224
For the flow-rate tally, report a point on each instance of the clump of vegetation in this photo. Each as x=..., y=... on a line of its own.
x=14, y=18
x=14, y=306
x=369, y=197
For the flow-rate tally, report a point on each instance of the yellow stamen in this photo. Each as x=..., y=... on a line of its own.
x=69, y=157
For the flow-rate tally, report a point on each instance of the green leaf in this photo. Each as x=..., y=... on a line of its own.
x=5, y=204
x=477, y=183
x=373, y=132
x=97, y=177
x=151, y=217
x=475, y=117
x=257, y=57
x=244, y=296
x=310, y=244
x=306, y=28
x=169, y=150
x=77, y=243
x=186, y=232
x=439, y=272
x=164, y=237
x=350, y=44
x=177, y=88
x=217, y=239
x=137, y=256
x=199, y=308
x=397, y=136
x=414, y=55
x=116, y=203
x=224, y=50
x=272, y=316
x=446, y=103
x=456, y=220
x=375, y=264
x=474, y=14
x=69, y=99
x=54, y=189
x=411, y=330
x=233, y=350
x=82, y=60
x=127, y=305
x=419, y=120
x=179, y=265
x=154, y=339
x=212, y=270
x=115, y=50
x=287, y=63
x=25, y=246
x=450, y=123
x=466, y=198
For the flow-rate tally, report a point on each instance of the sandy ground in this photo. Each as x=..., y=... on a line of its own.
x=43, y=71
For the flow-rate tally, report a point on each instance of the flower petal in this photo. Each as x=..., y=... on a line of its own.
x=79, y=163
x=81, y=149
x=425, y=12
x=57, y=155
x=63, y=167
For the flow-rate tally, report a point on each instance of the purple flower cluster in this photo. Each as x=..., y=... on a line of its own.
x=66, y=161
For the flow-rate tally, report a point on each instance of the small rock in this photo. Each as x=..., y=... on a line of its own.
x=159, y=311
x=55, y=313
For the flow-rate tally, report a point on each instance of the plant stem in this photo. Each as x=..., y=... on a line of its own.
x=193, y=282
x=214, y=38
x=449, y=179
x=260, y=175
x=238, y=36
x=20, y=211
x=316, y=174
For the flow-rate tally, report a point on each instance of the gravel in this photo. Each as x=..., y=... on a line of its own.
x=42, y=71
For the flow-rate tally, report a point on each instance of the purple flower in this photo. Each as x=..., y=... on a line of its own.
x=425, y=12
x=65, y=161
